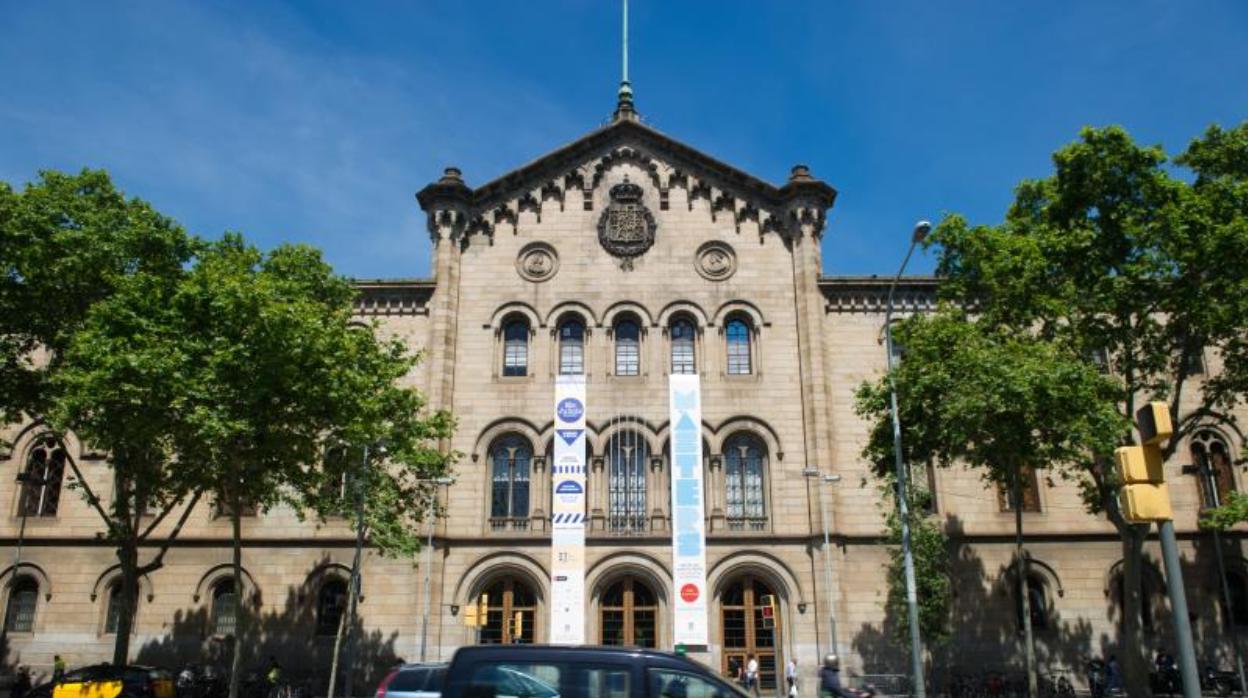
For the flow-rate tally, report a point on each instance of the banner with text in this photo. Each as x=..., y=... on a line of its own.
x=567, y=510
x=688, y=522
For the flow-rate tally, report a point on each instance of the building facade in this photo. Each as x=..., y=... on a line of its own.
x=625, y=256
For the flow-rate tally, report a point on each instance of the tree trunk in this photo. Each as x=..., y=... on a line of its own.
x=1131, y=648
x=1024, y=570
x=236, y=662
x=127, y=554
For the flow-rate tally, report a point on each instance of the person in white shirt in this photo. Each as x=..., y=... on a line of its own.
x=790, y=676
x=751, y=674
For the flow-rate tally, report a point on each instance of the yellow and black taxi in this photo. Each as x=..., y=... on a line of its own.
x=108, y=681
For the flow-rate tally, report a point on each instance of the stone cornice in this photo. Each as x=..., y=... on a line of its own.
x=869, y=294
x=393, y=296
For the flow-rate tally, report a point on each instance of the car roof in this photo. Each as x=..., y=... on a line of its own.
x=583, y=652
x=417, y=666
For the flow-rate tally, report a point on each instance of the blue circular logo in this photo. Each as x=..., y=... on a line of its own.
x=569, y=487
x=570, y=409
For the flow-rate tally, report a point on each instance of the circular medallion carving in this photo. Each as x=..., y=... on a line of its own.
x=716, y=261
x=537, y=261
x=626, y=228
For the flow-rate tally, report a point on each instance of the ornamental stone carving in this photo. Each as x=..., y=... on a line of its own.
x=716, y=261
x=626, y=229
x=537, y=262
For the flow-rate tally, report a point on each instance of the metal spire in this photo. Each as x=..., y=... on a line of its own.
x=624, y=108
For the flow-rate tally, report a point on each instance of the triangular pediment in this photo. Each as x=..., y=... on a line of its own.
x=573, y=172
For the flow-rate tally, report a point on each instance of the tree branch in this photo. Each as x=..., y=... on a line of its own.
x=90, y=494
x=158, y=561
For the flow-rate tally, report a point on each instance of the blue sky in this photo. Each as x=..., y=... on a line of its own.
x=317, y=121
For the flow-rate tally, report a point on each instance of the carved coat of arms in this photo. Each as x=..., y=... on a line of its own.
x=626, y=228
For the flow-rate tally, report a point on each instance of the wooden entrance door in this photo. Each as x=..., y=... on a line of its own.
x=742, y=631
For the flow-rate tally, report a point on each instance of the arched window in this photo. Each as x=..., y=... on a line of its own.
x=684, y=359
x=224, y=608
x=627, y=348
x=744, y=465
x=627, y=454
x=744, y=633
x=738, y=336
x=1039, y=604
x=516, y=348
x=571, y=348
x=41, y=481
x=628, y=615
x=331, y=604
x=19, y=616
x=511, y=457
x=1216, y=473
x=112, y=614
x=509, y=600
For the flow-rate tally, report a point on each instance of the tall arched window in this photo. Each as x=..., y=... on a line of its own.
x=627, y=348
x=1039, y=604
x=627, y=454
x=331, y=603
x=19, y=616
x=512, y=457
x=112, y=614
x=682, y=334
x=744, y=465
x=571, y=347
x=509, y=599
x=737, y=334
x=1213, y=460
x=516, y=348
x=628, y=615
x=41, y=481
x=224, y=608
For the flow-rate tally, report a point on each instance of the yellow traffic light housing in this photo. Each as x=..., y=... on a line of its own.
x=1153, y=421
x=1146, y=502
x=517, y=625
x=1144, y=496
x=1139, y=464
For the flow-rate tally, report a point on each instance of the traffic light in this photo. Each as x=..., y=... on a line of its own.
x=1144, y=495
x=769, y=611
x=470, y=616
x=517, y=626
x=476, y=614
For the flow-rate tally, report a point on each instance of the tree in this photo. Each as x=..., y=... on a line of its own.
x=1113, y=257
x=933, y=583
x=276, y=373
x=68, y=244
x=1001, y=402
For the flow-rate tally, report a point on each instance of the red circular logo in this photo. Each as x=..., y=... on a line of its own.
x=689, y=593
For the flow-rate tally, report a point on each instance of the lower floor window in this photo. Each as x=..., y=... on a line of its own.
x=511, y=612
x=628, y=615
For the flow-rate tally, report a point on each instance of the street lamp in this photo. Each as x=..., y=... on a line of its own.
x=827, y=550
x=25, y=479
x=921, y=229
x=429, y=505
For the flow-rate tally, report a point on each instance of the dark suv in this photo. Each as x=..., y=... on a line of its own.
x=534, y=671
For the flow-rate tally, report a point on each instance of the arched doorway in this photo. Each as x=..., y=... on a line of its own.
x=509, y=599
x=741, y=626
x=628, y=615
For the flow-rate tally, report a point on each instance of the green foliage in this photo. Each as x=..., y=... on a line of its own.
x=933, y=584
x=66, y=242
x=1233, y=511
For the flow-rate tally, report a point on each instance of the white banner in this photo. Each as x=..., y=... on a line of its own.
x=567, y=509
x=688, y=523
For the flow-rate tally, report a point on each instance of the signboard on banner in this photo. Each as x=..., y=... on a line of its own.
x=567, y=512
x=689, y=615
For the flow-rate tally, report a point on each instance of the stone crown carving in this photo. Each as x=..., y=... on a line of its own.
x=626, y=228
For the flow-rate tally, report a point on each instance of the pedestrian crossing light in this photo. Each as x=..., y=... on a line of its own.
x=476, y=614
x=1144, y=496
x=769, y=611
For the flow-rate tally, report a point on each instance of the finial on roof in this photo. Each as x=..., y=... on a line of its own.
x=624, y=107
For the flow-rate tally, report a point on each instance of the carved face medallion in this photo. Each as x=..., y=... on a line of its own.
x=537, y=261
x=626, y=228
x=716, y=261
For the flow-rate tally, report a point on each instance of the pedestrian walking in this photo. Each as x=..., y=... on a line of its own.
x=58, y=667
x=790, y=676
x=751, y=674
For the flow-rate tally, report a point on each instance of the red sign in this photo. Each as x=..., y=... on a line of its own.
x=689, y=593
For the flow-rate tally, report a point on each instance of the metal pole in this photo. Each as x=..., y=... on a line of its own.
x=1178, y=606
x=827, y=562
x=903, y=507
x=1214, y=499
x=355, y=581
x=17, y=560
x=424, y=619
